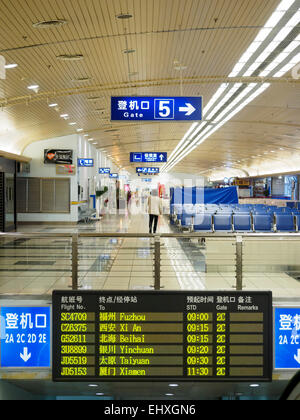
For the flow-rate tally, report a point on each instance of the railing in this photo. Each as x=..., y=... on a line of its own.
x=233, y=255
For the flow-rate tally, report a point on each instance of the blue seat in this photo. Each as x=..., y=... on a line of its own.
x=285, y=223
x=242, y=223
x=203, y=222
x=263, y=223
x=223, y=222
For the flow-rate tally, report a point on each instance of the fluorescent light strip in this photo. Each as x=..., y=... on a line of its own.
x=295, y=60
x=187, y=134
x=192, y=132
x=271, y=24
x=237, y=100
x=208, y=128
x=283, y=57
x=226, y=98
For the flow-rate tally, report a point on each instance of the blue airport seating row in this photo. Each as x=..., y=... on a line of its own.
x=208, y=222
x=179, y=209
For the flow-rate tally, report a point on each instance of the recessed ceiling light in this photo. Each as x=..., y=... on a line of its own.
x=10, y=66
x=70, y=57
x=129, y=51
x=124, y=16
x=169, y=395
x=99, y=394
x=79, y=130
x=173, y=385
x=254, y=386
x=64, y=115
x=85, y=135
x=73, y=123
x=49, y=23
x=93, y=386
x=52, y=105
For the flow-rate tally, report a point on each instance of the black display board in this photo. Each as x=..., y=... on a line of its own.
x=159, y=336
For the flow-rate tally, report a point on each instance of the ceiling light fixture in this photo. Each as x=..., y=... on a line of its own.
x=64, y=116
x=52, y=105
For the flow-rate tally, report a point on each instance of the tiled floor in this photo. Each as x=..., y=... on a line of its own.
x=38, y=266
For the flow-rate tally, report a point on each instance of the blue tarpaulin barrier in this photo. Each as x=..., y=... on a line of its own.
x=208, y=196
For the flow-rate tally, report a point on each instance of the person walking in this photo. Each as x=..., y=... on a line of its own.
x=154, y=210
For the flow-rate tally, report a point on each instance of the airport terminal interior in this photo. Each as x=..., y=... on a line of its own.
x=118, y=113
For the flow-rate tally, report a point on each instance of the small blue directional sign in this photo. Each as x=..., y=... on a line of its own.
x=86, y=163
x=114, y=176
x=104, y=171
x=287, y=338
x=156, y=157
x=149, y=108
x=147, y=171
x=25, y=337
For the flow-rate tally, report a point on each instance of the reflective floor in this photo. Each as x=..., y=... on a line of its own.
x=38, y=266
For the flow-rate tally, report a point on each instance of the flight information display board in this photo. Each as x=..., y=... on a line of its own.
x=158, y=336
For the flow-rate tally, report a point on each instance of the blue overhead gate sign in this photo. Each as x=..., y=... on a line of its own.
x=124, y=108
x=25, y=337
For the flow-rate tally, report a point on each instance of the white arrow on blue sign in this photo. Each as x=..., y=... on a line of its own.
x=149, y=108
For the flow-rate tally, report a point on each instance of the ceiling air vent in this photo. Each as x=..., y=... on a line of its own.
x=49, y=23
x=124, y=16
